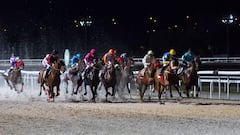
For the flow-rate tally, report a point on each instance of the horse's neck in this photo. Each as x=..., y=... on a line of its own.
x=169, y=69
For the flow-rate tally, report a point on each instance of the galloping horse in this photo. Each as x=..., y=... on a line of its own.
x=53, y=79
x=14, y=78
x=92, y=79
x=126, y=76
x=169, y=79
x=144, y=81
x=74, y=75
x=190, y=76
x=109, y=79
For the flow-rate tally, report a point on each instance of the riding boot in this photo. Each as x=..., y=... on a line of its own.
x=85, y=72
x=47, y=72
x=162, y=70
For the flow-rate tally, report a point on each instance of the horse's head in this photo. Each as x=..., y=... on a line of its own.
x=59, y=65
x=110, y=72
x=130, y=62
x=197, y=62
x=147, y=78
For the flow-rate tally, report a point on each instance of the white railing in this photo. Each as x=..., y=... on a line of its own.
x=203, y=59
x=220, y=77
x=207, y=59
x=26, y=62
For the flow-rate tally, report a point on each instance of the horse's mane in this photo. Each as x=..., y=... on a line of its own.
x=62, y=62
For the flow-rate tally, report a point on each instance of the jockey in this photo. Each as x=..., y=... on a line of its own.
x=90, y=59
x=75, y=60
x=19, y=63
x=121, y=61
x=12, y=64
x=51, y=59
x=125, y=57
x=167, y=56
x=147, y=61
x=157, y=64
x=188, y=57
x=45, y=61
x=115, y=53
x=109, y=58
x=174, y=63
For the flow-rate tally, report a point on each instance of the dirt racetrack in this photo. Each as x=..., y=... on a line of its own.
x=185, y=117
x=29, y=114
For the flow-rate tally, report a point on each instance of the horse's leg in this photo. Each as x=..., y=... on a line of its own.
x=14, y=86
x=187, y=90
x=170, y=90
x=40, y=93
x=106, y=93
x=198, y=90
x=140, y=87
x=7, y=78
x=79, y=83
x=22, y=84
x=128, y=88
x=113, y=91
x=49, y=93
x=58, y=90
x=85, y=88
x=160, y=90
x=46, y=91
x=143, y=89
x=9, y=84
x=177, y=88
x=100, y=85
x=93, y=89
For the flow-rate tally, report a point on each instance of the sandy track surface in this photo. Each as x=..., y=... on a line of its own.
x=29, y=114
x=67, y=118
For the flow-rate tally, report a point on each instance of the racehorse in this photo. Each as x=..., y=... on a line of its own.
x=53, y=79
x=14, y=78
x=92, y=79
x=109, y=79
x=189, y=76
x=144, y=81
x=169, y=78
x=74, y=75
x=126, y=76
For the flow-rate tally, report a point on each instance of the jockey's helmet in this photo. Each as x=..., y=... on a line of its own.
x=115, y=52
x=110, y=51
x=124, y=55
x=150, y=52
x=190, y=51
x=78, y=55
x=54, y=52
x=93, y=51
x=172, y=52
x=17, y=58
x=120, y=60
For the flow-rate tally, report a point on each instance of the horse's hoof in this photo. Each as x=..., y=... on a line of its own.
x=57, y=94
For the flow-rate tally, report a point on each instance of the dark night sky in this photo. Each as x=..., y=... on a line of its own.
x=207, y=13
